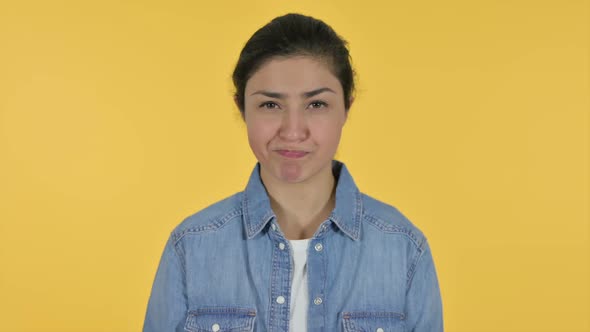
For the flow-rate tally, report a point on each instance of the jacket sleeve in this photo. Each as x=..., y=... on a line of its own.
x=424, y=305
x=167, y=305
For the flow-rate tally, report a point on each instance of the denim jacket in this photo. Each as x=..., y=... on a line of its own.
x=229, y=268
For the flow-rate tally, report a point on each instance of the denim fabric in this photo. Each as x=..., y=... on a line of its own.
x=229, y=268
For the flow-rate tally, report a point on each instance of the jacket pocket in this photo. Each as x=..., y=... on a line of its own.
x=373, y=321
x=220, y=319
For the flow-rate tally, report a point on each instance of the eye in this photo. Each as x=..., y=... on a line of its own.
x=269, y=105
x=318, y=104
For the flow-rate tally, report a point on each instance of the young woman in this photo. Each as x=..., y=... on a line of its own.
x=301, y=248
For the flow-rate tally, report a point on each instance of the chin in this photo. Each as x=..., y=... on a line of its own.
x=291, y=173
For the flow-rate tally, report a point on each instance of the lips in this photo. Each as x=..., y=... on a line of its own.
x=294, y=154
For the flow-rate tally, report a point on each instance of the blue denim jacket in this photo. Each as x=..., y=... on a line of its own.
x=369, y=269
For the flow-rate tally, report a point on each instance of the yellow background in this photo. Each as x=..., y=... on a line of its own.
x=116, y=122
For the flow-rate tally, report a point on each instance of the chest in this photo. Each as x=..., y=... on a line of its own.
x=351, y=285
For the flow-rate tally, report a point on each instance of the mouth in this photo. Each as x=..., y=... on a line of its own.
x=292, y=154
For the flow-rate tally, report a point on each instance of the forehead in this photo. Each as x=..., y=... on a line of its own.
x=293, y=74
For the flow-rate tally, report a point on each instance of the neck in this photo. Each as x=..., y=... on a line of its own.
x=301, y=207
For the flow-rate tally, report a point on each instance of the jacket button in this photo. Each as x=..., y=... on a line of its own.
x=280, y=300
x=318, y=247
x=282, y=246
x=215, y=327
x=317, y=301
x=379, y=330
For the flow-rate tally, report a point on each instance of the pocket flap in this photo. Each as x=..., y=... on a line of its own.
x=220, y=319
x=373, y=321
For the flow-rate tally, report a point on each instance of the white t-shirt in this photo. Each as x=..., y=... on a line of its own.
x=299, y=289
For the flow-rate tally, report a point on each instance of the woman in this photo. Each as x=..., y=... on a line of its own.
x=300, y=249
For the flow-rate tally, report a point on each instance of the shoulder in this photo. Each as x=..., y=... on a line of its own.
x=211, y=218
x=390, y=220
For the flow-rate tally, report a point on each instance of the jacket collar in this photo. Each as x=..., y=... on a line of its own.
x=347, y=213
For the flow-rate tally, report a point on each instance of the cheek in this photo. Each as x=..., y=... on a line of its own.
x=259, y=133
x=328, y=135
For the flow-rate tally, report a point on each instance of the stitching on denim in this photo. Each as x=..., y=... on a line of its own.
x=412, y=269
x=351, y=326
x=265, y=219
x=252, y=227
x=325, y=262
x=389, y=228
x=287, y=286
x=348, y=318
x=247, y=322
x=213, y=225
x=231, y=215
x=246, y=213
x=419, y=243
x=373, y=314
x=272, y=312
x=358, y=215
x=247, y=315
x=343, y=227
x=179, y=252
x=223, y=310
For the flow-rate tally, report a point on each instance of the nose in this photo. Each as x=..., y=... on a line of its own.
x=294, y=126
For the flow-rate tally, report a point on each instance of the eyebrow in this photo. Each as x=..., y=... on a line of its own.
x=279, y=95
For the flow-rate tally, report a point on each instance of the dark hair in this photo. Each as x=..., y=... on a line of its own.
x=294, y=35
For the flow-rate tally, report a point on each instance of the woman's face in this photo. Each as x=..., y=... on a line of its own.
x=294, y=112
